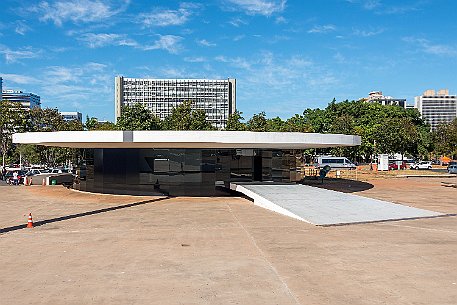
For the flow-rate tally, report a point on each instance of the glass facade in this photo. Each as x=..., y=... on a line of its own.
x=182, y=172
x=216, y=97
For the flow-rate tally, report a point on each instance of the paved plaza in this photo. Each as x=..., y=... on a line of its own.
x=101, y=249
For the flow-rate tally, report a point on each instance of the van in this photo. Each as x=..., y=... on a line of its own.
x=334, y=162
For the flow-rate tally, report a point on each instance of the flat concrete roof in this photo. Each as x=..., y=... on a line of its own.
x=186, y=139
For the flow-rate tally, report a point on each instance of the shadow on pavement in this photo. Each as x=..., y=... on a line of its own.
x=341, y=185
x=67, y=217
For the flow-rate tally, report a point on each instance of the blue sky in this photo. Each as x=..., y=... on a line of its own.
x=286, y=55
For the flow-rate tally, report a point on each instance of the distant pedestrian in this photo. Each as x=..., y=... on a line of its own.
x=15, y=178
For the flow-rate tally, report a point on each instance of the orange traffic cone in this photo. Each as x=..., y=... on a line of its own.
x=30, y=221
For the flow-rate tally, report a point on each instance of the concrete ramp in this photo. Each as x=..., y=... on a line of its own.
x=326, y=207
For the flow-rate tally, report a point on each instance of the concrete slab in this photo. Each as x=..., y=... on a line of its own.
x=326, y=207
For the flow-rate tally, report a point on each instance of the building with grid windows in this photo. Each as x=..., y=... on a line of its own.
x=216, y=97
x=437, y=107
x=27, y=100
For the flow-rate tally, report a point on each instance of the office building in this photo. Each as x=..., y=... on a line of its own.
x=216, y=97
x=72, y=116
x=378, y=97
x=437, y=107
x=27, y=100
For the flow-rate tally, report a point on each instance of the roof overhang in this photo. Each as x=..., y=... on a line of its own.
x=186, y=139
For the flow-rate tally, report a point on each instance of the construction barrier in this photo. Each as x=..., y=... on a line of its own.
x=30, y=221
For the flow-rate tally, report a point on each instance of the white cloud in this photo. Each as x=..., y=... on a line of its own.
x=77, y=11
x=237, y=22
x=12, y=56
x=167, y=17
x=367, y=4
x=322, y=29
x=432, y=48
x=69, y=87
x=18, y=79
x=292, y=81
x=168, y=43
x=367, y=33
x=280, y=20
x=205, y=43
x=21, y=27
x=238, y=37
x=93, y=40
x=260, y=7
x=195, y=59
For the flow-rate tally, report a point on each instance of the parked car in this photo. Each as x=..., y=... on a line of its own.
x=20, y=176
x=59, y=170
x=334, y=162
x=452, y=169
x=451, y=163
x=422, y=165
x=394, y=165
x=37, y=171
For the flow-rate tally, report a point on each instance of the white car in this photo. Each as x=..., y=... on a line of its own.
x=422, y=165
x=38, y=171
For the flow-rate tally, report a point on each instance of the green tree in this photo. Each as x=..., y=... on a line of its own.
x=183, y=117
x=93, y=124
x=445, y=139
x=275, y=124
x=48, y=119
x=234, y=122
x=258, y=122
x=12, y=119
x=137, y=117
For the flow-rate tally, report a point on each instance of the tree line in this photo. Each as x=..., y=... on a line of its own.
x=384, y=129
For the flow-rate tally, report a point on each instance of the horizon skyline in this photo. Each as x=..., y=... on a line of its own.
x=286, y=56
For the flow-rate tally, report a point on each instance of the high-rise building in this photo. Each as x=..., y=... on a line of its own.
x=216, y=97
x=437, y=107
x=72, y=115
x=378, y=97
x=27, y=100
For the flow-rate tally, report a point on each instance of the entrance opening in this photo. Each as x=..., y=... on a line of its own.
x=257, y=168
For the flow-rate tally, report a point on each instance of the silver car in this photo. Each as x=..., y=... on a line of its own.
x=452, y=169
x=422, y=165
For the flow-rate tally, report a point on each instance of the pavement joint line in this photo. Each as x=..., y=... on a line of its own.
x=262, y=254
x=428, y=229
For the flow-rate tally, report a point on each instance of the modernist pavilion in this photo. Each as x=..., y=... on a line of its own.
x=184, y=163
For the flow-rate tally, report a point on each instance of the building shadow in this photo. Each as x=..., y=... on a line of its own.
x=340, y=185
x=72, y=216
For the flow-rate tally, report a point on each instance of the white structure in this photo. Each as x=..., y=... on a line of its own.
x=72, y=116
x=437, y=107
x=186, y=139
x=216, y=97
x=378, y=97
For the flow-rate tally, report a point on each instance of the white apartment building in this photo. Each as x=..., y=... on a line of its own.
x=216, y=97
x=378, y=97
x=27, y=100
x=72, y=116
x=437, y=107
